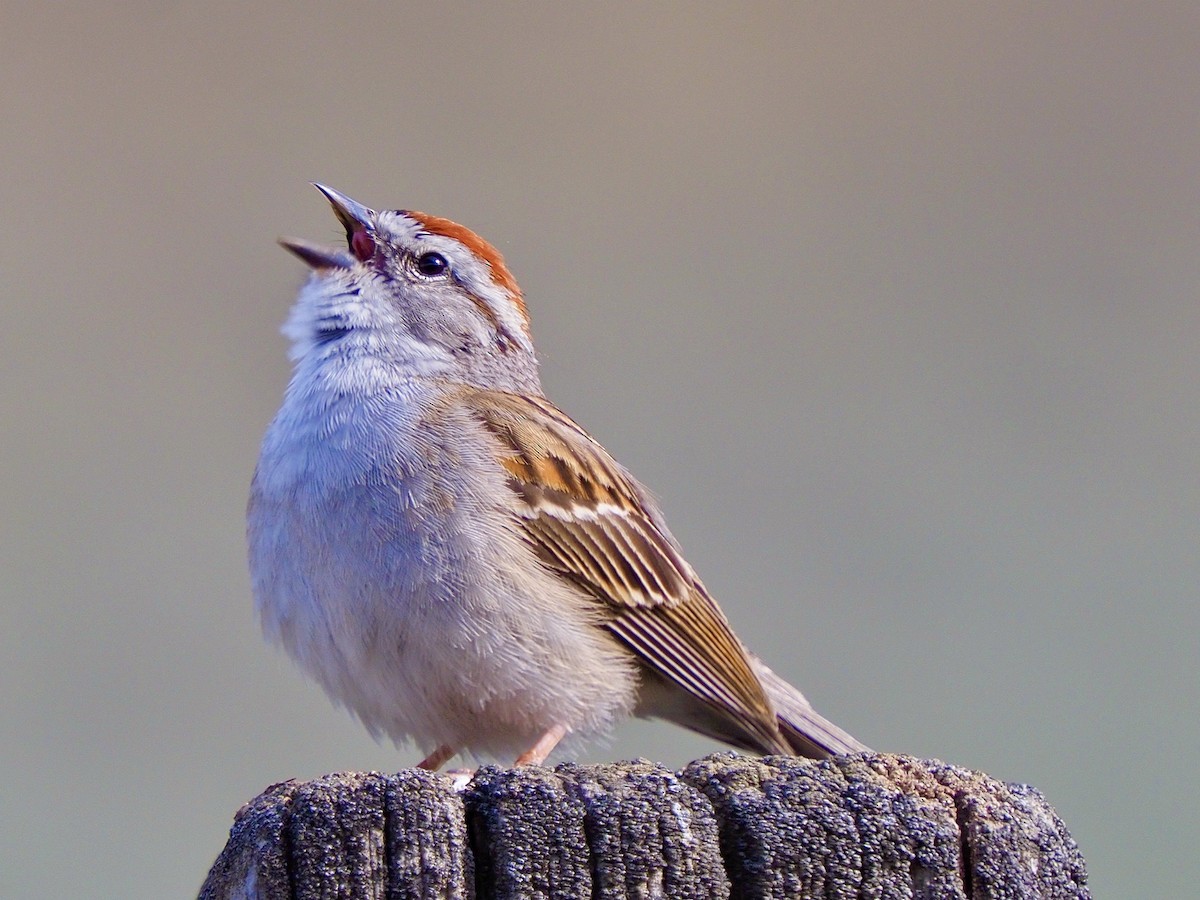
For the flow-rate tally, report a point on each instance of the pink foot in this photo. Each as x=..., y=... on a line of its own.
x=536, y=755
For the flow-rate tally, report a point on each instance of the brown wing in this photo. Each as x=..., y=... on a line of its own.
x=590, y=521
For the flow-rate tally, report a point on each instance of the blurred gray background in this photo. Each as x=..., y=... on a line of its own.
x=894, y=306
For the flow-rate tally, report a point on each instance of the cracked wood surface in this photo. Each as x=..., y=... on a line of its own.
x=871, y=826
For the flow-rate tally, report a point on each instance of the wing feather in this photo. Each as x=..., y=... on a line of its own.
x=593, y=523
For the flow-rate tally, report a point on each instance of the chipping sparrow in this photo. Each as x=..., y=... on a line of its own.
x=450, y=555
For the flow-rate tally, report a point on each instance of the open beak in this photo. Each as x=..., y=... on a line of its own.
x=318, y=255
x=353, y=216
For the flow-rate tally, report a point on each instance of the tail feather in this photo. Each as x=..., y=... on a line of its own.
x=807, y=731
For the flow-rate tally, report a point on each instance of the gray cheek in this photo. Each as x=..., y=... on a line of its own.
x=460, y=332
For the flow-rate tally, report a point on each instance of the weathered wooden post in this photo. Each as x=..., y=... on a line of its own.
x=870, y=826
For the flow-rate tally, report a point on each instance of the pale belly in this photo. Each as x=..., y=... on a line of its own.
x=399, y=584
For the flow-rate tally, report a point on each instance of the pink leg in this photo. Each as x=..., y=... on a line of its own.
x=536, y=755
x=437, y=758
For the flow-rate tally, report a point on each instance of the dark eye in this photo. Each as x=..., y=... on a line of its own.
x=432, y=265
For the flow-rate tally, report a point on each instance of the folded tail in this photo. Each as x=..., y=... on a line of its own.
x=807, y=731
